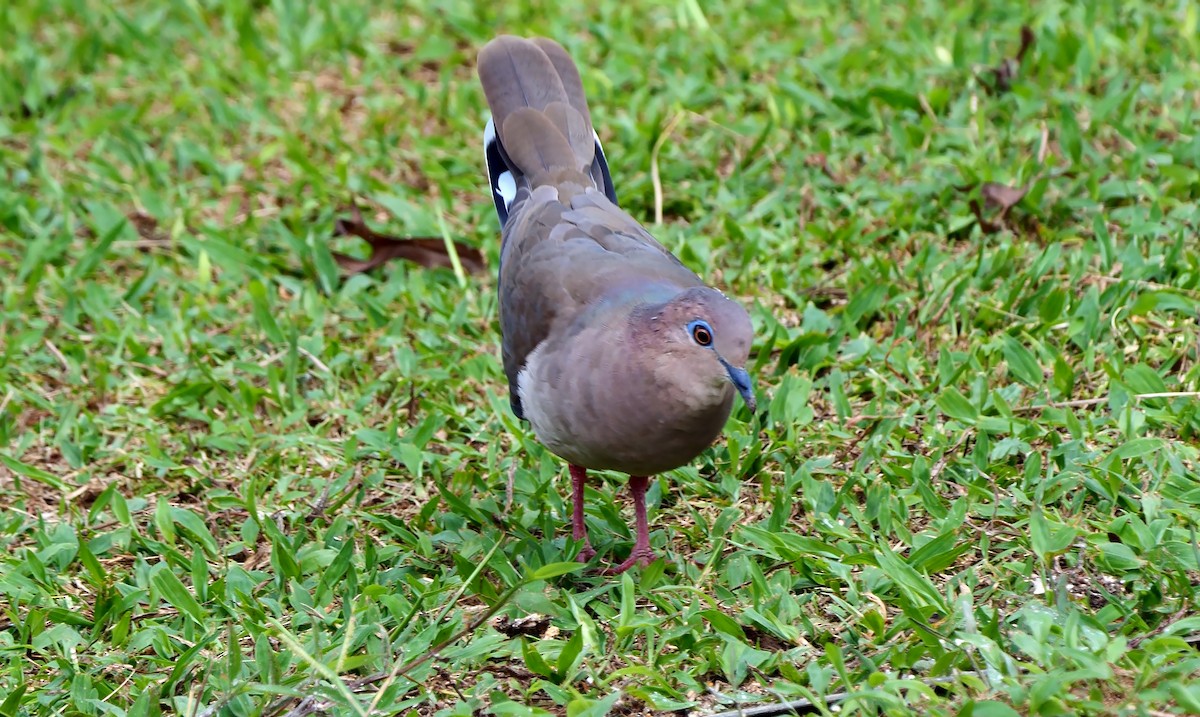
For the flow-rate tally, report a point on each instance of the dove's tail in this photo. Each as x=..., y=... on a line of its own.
x=540, y=130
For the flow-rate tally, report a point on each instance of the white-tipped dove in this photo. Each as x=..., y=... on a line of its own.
x=618, y=355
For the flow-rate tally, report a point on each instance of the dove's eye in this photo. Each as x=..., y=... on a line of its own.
x=701, y=333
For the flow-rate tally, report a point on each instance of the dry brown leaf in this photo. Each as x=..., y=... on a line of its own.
x=1002, y=196
x=424, y=251
x=1006, y=71
x=995, y=196
x=534, y=625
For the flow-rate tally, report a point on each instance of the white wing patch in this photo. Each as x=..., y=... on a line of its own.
x=506, y=187
x=489, y=134
x=504, y=184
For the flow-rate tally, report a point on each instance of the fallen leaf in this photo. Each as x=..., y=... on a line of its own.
x=530, y=625
x=424, y=251
x=995, y=196
x=147, y=227
x=1006, y=71
x=1002, y=196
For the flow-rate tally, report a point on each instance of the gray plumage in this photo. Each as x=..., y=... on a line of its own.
x=618, y=355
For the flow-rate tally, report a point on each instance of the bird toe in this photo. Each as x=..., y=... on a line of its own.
x=639, y=557
x=585, y=554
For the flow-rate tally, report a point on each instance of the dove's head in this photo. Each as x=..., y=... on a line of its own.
x=701, y=341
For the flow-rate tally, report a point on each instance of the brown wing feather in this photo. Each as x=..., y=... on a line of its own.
x=565, y=246
x=577, y=131
x=533, y=142
x=568, y=74
x=520, y=82
x=558, y=261
x=515, y=73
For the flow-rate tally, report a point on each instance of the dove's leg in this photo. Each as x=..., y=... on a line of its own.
x=641, y=554
x=578, y=528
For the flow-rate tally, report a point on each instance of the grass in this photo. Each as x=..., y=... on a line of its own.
x=237, y=483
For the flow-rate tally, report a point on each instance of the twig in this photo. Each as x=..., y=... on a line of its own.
x=272, y=358
x=315, y=361
x=508, y=488
x=1183, y=612
x=1077, y=403
x=57, y=354
x=804, y=706
x=1085, y=402
x=655, y=180
x=309, y=705
x=318, y=509
x=1168, y=394
x=1105, y=279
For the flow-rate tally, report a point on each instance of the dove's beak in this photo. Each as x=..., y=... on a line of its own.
x=741, y=381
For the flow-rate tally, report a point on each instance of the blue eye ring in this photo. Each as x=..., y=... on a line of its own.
x=701, y=333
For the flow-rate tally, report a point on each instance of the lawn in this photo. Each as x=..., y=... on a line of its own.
x=237, y=479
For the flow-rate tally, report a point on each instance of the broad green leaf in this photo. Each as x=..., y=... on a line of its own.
x=913, y=585
x=1142, y=379
x=1117, y=557
x=33, y=473
x=174, y=592
x=553, y=570
x=1022, y=363
x=723, y=623
x=585, y=707
x=183, y=662
x=1049, y=537
x=263, y=312
x=955, y=405
x=1139, y=447
x=12, y=703
x=1069, y=136
x=989, y=708
x=534, y=660
x=568, y=658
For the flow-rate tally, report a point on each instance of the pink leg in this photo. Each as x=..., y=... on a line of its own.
x=578, y=527
x=641, y=554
